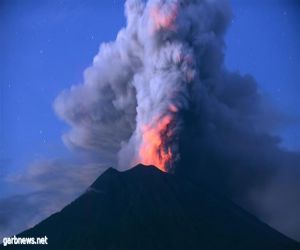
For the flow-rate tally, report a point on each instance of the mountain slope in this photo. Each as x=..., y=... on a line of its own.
x=144, y=208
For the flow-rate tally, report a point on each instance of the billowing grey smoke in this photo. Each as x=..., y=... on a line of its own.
x=146, y=78
x=164, y=77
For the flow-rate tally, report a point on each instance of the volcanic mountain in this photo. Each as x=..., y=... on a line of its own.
x=146, y=209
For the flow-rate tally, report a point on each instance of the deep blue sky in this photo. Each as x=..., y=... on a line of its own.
x=46, y=45
x=264, y=40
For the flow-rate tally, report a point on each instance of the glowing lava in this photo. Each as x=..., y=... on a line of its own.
x=153, y=150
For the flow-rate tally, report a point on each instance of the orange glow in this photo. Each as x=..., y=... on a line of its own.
x=153, y=150
x=162, y=18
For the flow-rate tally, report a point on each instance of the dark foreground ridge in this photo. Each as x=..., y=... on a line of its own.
x=146, y=209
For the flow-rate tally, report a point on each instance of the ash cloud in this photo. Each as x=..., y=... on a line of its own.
x=169, y=61
x=48, y=186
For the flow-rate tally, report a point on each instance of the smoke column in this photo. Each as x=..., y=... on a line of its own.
x=168, y=67
x=160, y=94
x=153, y=67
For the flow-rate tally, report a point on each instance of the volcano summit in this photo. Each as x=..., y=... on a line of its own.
x=145, y=208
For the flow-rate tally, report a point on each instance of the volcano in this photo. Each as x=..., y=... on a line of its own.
x=145, y=208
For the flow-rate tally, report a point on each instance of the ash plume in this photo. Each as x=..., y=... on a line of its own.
x=160, y=94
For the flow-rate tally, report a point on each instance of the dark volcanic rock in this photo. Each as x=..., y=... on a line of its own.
x=146, y=209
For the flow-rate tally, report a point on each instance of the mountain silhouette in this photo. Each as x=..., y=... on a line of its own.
x=146, y=209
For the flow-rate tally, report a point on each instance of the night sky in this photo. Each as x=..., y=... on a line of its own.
x=47, y=45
